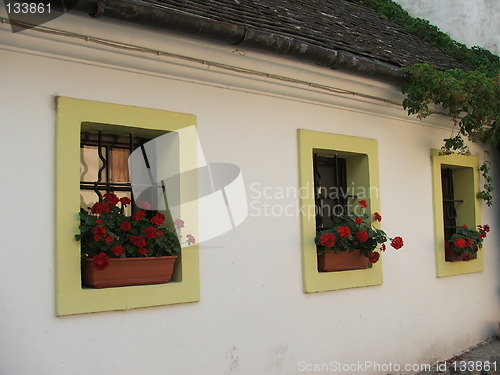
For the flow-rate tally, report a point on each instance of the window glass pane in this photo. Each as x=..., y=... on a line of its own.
x=330, y=181
x=88, y=198
x=118, y=165
x=90, y=164
x=449, y=211
x=115, y=176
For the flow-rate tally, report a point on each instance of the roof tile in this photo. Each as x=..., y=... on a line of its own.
x=347, y=25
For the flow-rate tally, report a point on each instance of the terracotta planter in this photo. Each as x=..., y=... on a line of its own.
x=348, y=260
x=128, y=271
x=451, y=256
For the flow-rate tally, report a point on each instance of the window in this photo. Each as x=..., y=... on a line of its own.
x=330, y=188
x=78, y=123
x=104, y=165
x=449, y=210
x=455, y=186
x=348, y=167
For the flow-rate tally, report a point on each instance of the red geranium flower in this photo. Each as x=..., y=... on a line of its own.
x=486, y=228
x=142, y=251
x=362, y=236
x=158, y=219
x=466, y=256
x=111, y=198
x=100, y=208
x=179, y=223
x=125, y=226
x=383, y=247
x=99, y=221
x=99, y=233
x=327, y=240
x=138, y=215
x=109, y=240
x=100, y=230
x=460, y=242
x=191, y=239
x=397, y=243
x=125, y=200
x=138, y=241
x=373, y=257
x=377, y=217
x=100, y=261
x=150, y=232
x=363, y=203
x=159, y=233
x=118, y=250
x=344, y=231
x=358, y=220
x=468, y=241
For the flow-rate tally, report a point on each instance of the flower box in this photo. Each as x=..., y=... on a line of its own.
x=118, y=250
x=128, y=272
x=347, y=260
x=451, y=256
x=465, y=243
x=351, y=242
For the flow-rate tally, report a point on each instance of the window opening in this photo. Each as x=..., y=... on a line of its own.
x=104, y=165
x=449, y=208
x=330, y=187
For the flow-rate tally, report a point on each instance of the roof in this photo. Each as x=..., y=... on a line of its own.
x=340, y=34
x=347, y=25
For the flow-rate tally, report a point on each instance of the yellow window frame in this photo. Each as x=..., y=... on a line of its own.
x=71, y=298
x=466, y=186
x=365, y=171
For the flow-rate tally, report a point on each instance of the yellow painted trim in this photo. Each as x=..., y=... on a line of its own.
x=467, y=187
x=71, y=298
x=361, y=150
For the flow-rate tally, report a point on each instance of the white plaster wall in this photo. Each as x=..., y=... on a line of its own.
x=471, y=22
x=253, y=317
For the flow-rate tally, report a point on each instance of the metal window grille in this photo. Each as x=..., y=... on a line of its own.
x=330, y=188
x=449, y=203
x=104, y=162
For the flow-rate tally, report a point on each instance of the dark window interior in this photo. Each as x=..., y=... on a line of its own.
x=330, y=187
x=449, y=208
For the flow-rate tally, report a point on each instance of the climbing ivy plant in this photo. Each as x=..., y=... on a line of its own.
x=471, y=96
